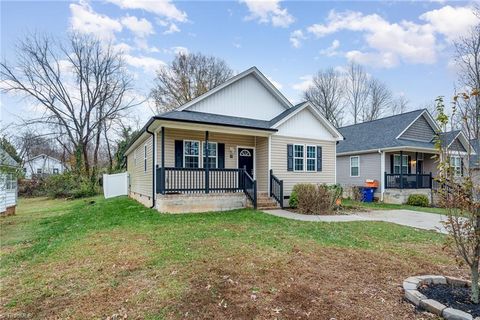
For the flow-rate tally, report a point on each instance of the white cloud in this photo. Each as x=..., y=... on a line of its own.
x=277, y=84
x=140, y=27
x=381, y=60
x=173, y=28
x=306, y=82
x=296, y=38
x=164, y=8
x=332, y=50
x=269, y=11
x=148, y=64
x=85, y=20
x=179, y=50
x=123, y=47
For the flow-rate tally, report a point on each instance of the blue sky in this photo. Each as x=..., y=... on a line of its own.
x=407, y=44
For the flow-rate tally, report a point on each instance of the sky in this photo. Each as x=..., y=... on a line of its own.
x=406, y=44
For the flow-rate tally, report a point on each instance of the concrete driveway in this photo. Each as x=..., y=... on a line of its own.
x=416, y=219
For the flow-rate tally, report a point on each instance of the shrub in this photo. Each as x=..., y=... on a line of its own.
x=315, y=199
x=293, y=201
x=31, y=188
x=68, y=185
x=419, y=200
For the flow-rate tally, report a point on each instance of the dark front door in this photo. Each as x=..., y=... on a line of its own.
x=245, y=159
x=419, y=166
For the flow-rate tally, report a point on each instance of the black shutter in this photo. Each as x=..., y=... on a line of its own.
x=391, y=164
x=409, y=164
x=289, y=157
x=221, y=155
x=461, y=166
x=319, y=158
x=178, y=153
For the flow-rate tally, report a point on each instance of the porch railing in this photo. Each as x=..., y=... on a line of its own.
x=201, y=180
x=276, y=189
x=408, y=181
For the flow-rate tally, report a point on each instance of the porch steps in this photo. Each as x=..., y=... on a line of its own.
x=265, y=202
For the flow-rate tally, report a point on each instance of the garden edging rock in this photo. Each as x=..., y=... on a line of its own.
x=411, y=284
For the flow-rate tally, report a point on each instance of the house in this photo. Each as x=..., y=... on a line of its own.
x=475, y=161
x=241, y=142
x=42, y=165
x=397, y=151
x=8, y=183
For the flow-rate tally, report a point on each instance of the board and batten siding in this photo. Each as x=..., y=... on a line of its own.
x=245, y=98
x=419, y=130
x=291, y=178
x=370, y=164
x=140, y=180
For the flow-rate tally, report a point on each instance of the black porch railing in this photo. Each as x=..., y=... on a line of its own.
x=201, y=180
x=408, y=181
x=276, y=189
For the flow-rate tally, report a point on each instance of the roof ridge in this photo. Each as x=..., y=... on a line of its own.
x=394, y=115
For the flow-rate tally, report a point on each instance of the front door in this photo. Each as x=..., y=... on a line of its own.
x=419, y=166
x=245, y=159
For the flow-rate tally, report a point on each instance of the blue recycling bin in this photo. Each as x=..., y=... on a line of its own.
x=367, y=194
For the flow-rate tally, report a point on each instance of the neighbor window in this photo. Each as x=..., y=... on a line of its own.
x=55, y=170
x=354, y=166
x=145, y=158
x=311, y=158
x=11, y=181
x=191, y=154
x=212, y=160
x=456, y=164
x=39, y=171
x=397, y=165
x=298, y=157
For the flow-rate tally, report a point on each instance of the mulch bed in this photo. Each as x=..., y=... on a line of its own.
x=453, y=297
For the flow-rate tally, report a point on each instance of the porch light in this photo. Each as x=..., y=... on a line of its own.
x=232, y=151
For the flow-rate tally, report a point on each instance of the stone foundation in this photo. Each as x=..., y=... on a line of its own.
x=400, y=196
x=10, y=211
x=143, y=199
x=188, y=203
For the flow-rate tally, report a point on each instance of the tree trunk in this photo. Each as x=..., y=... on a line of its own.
x=475, y=289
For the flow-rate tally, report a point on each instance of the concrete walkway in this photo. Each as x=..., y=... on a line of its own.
x=416, y=219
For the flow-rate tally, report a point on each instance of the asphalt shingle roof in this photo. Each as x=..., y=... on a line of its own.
x=380, y=133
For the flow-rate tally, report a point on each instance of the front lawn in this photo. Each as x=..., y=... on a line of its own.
x=95, y=258
x=351, y=204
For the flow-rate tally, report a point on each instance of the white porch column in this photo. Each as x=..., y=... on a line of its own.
x=382, y=174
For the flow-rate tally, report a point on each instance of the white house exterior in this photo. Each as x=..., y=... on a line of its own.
x=42, y=165
x=259, y=147
x=8, y=184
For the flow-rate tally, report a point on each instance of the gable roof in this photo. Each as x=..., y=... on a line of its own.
x=6, y=159
x=251, y=71
x=43, y=155
x=381, y=133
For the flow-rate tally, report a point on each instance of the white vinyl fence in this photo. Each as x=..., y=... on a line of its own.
x=115, y=185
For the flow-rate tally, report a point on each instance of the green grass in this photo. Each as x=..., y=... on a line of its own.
x=72, y=248
x=389, y=206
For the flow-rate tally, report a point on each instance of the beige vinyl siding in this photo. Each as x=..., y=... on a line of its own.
x=290, y=178
x=141, y=180
x=369, y=169
x=262, y=174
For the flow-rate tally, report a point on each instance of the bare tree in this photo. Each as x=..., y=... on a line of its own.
x=187, y=77
x=80, y=86
x=327, y=94
x=400, y=105
x=380, y=100
x=357, y=90
x=467, y=58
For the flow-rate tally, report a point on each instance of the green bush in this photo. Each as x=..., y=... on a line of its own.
x=68, y=185
x=293, y=201
x=315, y=199
x=419, y=200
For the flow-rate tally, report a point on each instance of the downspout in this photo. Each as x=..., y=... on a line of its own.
x=153, y=166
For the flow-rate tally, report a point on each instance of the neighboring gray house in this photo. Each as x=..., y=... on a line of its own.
x=397, y=151
x=8, y=183
x=41, y=165
x=475, y=161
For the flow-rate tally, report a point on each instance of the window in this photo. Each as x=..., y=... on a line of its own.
x=145, y=158
x=354, y=166
x=191, y=154
x=212, y=160
x=39, y=171
x=456, y=164
x=55, y=170
x=311, y=158
x=397, y=165
x=298, y=157
x=11, y=181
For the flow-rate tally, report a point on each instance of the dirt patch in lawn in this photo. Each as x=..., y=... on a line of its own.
x=324, y=283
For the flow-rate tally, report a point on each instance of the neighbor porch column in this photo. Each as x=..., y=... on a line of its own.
x=162, y=171
x=382, y=174
x=205, y=165
x=416, y=170
x=401, y=169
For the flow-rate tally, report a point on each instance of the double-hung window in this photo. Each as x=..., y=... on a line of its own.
x=191, y=154
x=145, y=158
x=11, y=181
x=298, y=157
x=212, y=161
x=456, y=164
x=397, y=165
x=354, y=166
x=311, y=158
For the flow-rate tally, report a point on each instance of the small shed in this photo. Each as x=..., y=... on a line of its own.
x=8, y=183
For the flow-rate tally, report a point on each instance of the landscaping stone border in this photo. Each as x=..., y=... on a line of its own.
x=410, y=285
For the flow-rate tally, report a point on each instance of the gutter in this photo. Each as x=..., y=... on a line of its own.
x=153, y=165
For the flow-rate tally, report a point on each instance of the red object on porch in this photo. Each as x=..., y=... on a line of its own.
x=371, y=183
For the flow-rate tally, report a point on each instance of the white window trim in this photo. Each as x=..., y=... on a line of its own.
x=314, y=158
x=216, y=153
x=454, y=166
x=401, y=163
x=303, y=158
x=145, y=158
x=358, y=175
x=199, y=156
